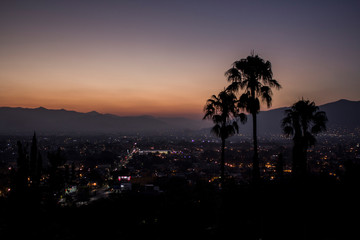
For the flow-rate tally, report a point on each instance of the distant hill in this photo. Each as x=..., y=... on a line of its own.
x=341, y=114
x=42, y=120
x=23, y=120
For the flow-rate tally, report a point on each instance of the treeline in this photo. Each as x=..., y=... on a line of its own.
x=31, y=182
x=252, y=83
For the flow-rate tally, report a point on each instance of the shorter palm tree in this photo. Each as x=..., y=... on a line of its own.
x=303, y=121
x=223, y=110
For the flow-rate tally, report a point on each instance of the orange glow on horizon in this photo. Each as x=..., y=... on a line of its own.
x=127, y=58
x=105, y=101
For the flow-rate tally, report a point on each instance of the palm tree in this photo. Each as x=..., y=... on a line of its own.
x=223, y=110
x=254, y=75
x=303, y=121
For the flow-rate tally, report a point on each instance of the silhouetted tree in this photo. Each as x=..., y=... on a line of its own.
x=223, y=110
x=35, y=166
x=28, y=172
x=33, y=154
x=39, y=168
x=303, y=121
x=56, y=179
x=255, y=76
x=56, y=159
x=22, y=172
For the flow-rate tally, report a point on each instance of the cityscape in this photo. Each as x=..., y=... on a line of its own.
x=179, y=120
x=103, y=162
x=114, y=169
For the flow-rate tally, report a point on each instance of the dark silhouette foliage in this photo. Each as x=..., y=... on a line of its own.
x=28, y=173
x=303, y=121
x=22, y=171
x=223, y=110
x=57, y=176
x=254, y=76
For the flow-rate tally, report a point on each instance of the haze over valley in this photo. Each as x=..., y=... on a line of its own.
x=342, y=114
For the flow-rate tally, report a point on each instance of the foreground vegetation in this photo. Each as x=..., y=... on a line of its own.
x=319, y=208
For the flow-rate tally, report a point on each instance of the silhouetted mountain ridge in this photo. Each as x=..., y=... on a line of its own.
x=26, y=120
x=343, y=114
x=19, y=120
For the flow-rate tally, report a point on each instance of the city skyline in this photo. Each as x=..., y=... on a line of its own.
x=166, y=59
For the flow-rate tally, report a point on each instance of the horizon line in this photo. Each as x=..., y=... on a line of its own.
x=185, y=115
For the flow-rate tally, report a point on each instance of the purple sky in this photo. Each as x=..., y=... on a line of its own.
x=167, y=57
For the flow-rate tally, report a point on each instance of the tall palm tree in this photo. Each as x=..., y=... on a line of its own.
x=223, y=110
x=303, y=121
x=254, y=75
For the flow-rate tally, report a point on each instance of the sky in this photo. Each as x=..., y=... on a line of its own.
x=166, y=58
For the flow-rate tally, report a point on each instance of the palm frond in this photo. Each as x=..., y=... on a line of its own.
x=303, y=120
x=266, y=94
x=233, y=75
x=274, y=83
x=243, y=118
x=235, y=126
x=224, y=111
x=309, y=139
x=216, y=130
x=288, y=119
x=288, y=130
x=244, y=101
x=218, y=119
x=320, y=119
x=254, y=75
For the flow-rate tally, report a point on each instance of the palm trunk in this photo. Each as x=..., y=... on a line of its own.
x=299, y=159
x=304, y=159
x=296, y=155
x=256, y=169
x=222, y=163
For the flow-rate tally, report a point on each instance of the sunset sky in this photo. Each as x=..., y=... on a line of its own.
x=165, y=58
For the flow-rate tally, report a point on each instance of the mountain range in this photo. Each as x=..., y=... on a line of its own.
x=342, y=114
